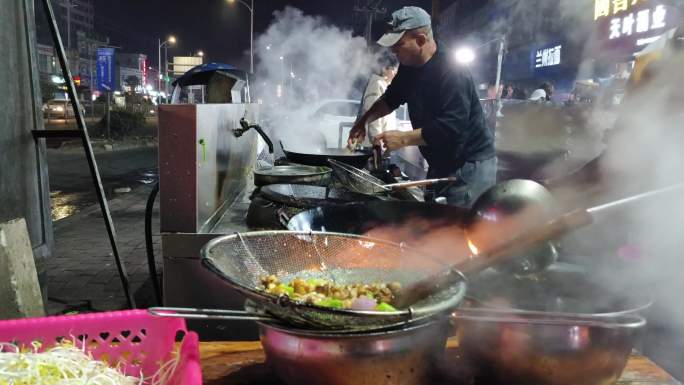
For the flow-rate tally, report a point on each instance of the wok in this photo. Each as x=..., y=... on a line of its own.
x=293, y=174
x=306, y=196
x=362, y=217
x=358, y=158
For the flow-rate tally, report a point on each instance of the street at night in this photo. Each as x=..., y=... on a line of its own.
x=381, y=192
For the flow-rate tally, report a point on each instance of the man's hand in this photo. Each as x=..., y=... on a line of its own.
x=357, y=133
x=391, y=140
x=394, y=140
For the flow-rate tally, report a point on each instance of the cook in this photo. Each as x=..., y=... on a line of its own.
x=448, y=123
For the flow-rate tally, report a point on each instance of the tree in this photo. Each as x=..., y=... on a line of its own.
x=47, y=90
x=132, y=81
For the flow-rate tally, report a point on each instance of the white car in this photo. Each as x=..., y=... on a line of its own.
x=331, y=113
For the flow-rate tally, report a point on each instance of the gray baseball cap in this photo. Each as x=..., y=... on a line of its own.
x=403, y=20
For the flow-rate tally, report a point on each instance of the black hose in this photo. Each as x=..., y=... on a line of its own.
x=151, y=264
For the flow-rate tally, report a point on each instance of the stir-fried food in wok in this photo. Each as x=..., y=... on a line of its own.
x=321, y=292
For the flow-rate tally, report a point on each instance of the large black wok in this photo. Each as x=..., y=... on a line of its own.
x=361, y=217
x=320, y=157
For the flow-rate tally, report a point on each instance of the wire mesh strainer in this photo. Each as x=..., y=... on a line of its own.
x=357, y=180
x=242, y=259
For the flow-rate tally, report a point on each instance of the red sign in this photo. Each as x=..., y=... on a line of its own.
x=144, y=71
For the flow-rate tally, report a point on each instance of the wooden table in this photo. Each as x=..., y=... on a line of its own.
x=242, y=363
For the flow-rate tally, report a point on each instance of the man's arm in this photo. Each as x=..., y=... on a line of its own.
x=377, y=111
x=394, y=140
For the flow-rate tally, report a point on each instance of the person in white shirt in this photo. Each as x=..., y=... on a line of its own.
x=377, y=84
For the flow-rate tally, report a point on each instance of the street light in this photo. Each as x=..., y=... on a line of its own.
x=251, y=31
x=165, y=44
x=464, y=55
x=200, y=53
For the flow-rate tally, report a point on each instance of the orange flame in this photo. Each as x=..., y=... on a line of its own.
x=473, y=248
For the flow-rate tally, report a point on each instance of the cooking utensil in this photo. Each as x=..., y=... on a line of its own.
x=498, y=205
x=516, y=245
x=357, y=158
x=363, y=182
x=561, y=288
x=545, y=348
x=306, y=196
x=243, y=259
x=361, y=217
x=404, y=356
x=293, y=174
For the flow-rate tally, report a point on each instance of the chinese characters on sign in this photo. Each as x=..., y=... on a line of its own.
x=548, y=57
x=605, y=8
x=642, y=21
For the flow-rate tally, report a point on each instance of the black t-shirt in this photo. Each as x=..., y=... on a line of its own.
x=443, y=102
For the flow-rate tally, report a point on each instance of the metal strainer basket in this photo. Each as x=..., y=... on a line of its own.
x=242, y=259
x=357, y=180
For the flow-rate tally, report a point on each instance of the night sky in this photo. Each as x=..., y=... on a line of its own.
x=218, y=28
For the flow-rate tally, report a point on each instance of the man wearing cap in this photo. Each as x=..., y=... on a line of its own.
x=445, y=111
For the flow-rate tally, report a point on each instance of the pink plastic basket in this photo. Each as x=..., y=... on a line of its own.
x=133, y=339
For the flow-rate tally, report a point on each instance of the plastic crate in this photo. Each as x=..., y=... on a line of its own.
x=133, y=339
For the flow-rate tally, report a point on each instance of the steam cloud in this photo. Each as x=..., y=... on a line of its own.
x=319, y=61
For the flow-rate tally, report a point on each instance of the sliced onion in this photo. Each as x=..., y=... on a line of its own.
x=364, y=303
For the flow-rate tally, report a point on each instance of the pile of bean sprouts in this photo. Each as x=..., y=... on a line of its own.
x=65, y=364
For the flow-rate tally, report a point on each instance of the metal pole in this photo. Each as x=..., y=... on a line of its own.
x=68, y=7
x=166, y=72
x=502, y=47
x=159, y=72
x=251, y=39
x=90, y=157
x=109, y=108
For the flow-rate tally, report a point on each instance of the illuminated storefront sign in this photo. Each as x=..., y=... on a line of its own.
x=624, y=26
x=638, y=22
x=548, y=57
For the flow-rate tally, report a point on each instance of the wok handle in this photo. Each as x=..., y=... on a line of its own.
x=478, y=262
x=525, y=241
x=418, y=183
x=195, y=313
x=283, y=218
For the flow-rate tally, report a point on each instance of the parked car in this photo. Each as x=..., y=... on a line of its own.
x=59, y=109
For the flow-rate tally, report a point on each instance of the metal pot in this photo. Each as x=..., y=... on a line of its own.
x=541, y=349
x=398, y=357
x=293, y=174
x=571, y=329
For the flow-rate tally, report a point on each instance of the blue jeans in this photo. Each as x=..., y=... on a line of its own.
x=474, y=178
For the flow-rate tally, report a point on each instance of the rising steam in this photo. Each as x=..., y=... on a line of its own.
x=302, y=60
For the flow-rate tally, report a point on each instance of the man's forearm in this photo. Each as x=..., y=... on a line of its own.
x=414, y=138
x=377, y=111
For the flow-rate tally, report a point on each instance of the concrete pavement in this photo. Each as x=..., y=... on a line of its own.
x=82, y=274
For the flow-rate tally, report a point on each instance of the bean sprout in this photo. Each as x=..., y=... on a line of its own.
x=63, y=364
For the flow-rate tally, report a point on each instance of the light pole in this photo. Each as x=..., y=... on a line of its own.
x=69, y=6
x=170, y=40
x=251, y=32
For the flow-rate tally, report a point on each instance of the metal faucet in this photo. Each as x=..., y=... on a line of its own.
x=245, y=126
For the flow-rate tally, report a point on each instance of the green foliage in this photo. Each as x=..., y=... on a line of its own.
x=47, y=90
x=122, y=122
